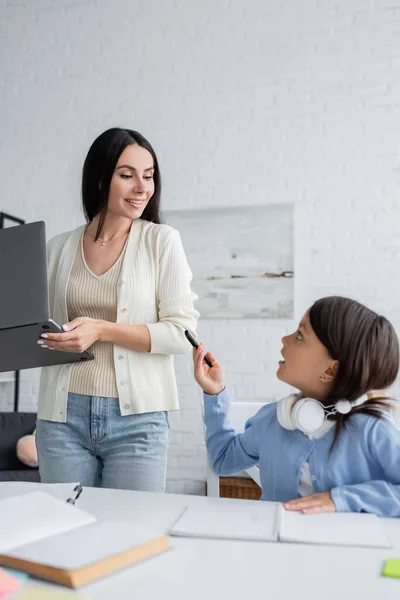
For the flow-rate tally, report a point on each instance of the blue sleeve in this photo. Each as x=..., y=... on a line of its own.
x=381, y=496
x=229, y=452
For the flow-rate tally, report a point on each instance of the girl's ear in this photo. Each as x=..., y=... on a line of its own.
x=331, y=372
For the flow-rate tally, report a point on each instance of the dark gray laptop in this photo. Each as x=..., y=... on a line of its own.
x=24, y=301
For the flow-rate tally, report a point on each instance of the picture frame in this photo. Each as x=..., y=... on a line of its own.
x=243, y=268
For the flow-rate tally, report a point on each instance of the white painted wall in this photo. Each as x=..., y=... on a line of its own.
x=246, y=102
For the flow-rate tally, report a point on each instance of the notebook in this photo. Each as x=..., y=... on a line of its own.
x=269, y=522
x=40, y=593
x=62, y=491
x=55, y=540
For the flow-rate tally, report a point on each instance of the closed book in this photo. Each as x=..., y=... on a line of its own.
x=86, y=553
x=55, y=540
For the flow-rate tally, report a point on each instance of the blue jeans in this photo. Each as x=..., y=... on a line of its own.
x=98, y=447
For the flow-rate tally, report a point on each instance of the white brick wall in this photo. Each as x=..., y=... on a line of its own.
x=246, y=102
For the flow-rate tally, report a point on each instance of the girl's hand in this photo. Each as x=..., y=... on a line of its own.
x=308, y=505
x=211, y=379
x=79, y=335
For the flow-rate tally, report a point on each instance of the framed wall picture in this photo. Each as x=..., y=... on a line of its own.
x=241, y=259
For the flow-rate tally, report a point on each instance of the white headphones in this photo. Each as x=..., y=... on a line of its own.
x=308, y=415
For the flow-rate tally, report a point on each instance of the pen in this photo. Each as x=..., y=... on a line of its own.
x=195, y=345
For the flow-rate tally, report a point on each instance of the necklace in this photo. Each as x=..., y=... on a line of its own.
x=104, y=242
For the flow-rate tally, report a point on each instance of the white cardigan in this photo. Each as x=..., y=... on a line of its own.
x=153, y=290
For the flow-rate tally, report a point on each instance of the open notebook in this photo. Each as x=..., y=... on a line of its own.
x=52, y=539
x=265, y=521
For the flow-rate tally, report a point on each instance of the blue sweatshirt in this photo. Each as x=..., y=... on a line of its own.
x=362, y=472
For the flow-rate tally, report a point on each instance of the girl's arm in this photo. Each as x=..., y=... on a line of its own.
x=228, y=452
x=381, y=496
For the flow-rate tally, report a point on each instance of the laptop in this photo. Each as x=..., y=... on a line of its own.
x=24, y=301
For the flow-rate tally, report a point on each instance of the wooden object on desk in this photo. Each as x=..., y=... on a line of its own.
x=55, y=540
x=86, y=553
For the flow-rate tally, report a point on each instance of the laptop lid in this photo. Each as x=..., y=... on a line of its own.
x=24, y=295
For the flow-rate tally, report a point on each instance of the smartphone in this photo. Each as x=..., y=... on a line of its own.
x=195, y=345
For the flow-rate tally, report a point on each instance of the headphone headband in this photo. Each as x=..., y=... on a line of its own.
x=308, y=415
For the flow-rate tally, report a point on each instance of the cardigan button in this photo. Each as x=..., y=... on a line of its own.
x=120, y=356
x=124, y=310
x=126, y=406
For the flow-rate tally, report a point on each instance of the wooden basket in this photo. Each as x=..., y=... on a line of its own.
x=239, y=487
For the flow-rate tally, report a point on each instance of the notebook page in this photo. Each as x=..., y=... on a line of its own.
x=34, y=516
x=255, y=521
x=343, y=529
x=62, y=491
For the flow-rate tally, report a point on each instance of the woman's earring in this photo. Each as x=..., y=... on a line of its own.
x=322, y=378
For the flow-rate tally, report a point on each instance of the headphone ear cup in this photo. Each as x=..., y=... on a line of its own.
x=284, y=412
x=308, y=415
x=343, y=407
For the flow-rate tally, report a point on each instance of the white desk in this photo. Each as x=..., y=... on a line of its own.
x=215, y=569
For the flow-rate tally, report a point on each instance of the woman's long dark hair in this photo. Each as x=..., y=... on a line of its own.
x=366, y=347
x=98, y=170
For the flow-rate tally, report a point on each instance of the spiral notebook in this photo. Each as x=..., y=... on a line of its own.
x=270, y=522
x=55, y=540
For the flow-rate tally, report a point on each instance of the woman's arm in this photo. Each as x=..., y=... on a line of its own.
x=134, y=337
x=82, y=332
x=175, y=300
x=175, y=310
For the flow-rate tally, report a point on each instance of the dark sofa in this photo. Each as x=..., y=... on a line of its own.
x=14, y=425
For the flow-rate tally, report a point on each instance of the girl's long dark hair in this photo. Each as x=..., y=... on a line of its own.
x=98, y=170
x=366, y=347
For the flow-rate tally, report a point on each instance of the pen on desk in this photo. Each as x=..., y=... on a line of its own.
x=195, y=345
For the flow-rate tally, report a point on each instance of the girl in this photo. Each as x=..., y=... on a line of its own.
x=334, y=446
x=121, y=285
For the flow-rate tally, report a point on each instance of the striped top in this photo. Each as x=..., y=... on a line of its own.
x=94, y=296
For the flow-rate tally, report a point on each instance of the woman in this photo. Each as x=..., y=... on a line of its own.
x=121, y=285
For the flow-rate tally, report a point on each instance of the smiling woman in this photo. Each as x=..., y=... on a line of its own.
x=121, y=285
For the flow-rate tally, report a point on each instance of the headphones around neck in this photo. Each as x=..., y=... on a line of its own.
x=308, y=415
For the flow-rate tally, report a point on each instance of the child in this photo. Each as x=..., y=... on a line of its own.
x=334, y=446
